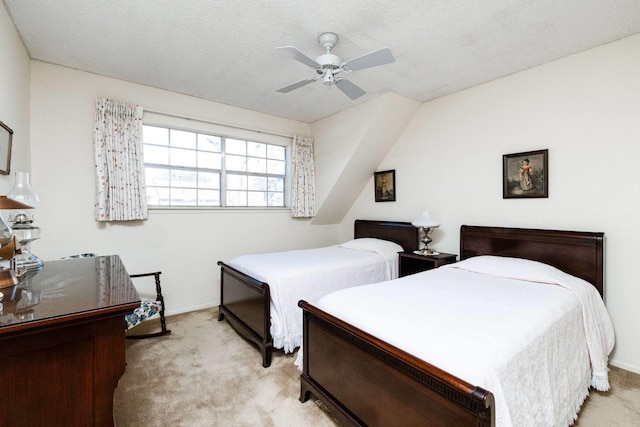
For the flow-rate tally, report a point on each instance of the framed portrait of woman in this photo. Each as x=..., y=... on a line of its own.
x=525, y=175
x=385, y=186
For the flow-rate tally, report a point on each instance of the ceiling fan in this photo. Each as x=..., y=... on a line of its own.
x=328, y=66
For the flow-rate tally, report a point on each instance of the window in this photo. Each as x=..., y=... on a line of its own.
x=188, y=168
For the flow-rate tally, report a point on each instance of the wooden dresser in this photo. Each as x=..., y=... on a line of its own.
x=62, y=343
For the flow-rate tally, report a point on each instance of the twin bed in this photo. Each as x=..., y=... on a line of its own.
x=514, y=334
x=259, y=293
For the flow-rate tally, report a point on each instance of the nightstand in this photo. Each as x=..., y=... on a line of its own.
x=411, y=263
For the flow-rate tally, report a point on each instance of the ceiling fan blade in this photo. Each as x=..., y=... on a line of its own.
x=372, y=59
x=298, y=56
x=349, y=89
x=296, y=85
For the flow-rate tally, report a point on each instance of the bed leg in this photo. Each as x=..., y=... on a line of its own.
x=266, y=356
x=220, y=314
x=305, y=390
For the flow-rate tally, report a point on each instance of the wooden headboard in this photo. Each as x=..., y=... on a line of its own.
x=580, y=254
x=402, y=233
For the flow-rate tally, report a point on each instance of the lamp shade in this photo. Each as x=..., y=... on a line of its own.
x=21, y=190
x=425, y=220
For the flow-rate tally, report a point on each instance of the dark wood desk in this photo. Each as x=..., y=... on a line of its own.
x=62, y=343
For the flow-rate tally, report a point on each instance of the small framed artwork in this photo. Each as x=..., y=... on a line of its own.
x=6, y=136
x=385, y=186
x=525, y=175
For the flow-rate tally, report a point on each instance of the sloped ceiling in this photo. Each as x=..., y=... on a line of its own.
x=225, y=50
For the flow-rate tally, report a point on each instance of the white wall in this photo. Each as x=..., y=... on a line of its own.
x=586, y=110
x=349, y=148
x=14, y=96
x=185, y=245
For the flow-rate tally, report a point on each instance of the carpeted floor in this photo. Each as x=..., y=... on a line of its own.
x=618, y=407
x=205, y=374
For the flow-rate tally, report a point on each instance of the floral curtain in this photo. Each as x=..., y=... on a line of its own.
x=120, y=187
x=303, y=186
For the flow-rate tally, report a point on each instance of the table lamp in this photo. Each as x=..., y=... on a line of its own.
x=22, y=222
x=426, y=222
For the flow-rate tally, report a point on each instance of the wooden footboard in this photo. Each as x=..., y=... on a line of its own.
x=365, y=381
x=246, y=304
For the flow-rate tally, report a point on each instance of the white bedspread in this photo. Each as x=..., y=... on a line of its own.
x=536, y=346
x=311, y=273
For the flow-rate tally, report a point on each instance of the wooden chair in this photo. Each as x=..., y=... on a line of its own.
x=149, y=309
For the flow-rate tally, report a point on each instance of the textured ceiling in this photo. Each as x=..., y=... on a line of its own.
x=225, y=50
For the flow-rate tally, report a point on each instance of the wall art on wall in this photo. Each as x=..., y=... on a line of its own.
x=385, y=186
x=6, y=136
x=525, y=174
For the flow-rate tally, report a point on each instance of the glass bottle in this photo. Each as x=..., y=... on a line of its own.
x=22, y=220
x=22, y=192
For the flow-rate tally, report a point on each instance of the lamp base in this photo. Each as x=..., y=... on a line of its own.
x=27, y=261
x=426, y=252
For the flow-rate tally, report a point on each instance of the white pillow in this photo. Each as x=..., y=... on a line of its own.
x=369, y=244
x=510, y=268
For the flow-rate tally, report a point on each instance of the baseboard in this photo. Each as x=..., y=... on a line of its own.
x=625, y=366
x=189, y=309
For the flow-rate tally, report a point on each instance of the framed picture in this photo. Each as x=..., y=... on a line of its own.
x=6, y=135
x=525, y=174
x=385, y=186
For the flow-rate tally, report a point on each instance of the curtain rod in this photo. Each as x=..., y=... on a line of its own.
x=197, y=119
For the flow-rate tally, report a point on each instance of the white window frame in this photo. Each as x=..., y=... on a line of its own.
x=224, y=132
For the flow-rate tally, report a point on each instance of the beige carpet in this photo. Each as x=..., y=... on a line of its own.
x=205, y=374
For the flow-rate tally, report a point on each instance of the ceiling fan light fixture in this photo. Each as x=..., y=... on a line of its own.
x=328, y=79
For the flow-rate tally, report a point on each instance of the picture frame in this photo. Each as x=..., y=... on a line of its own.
x=384, y=185
x=525, y=175
x=6, y=138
